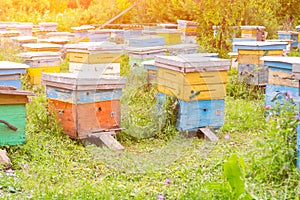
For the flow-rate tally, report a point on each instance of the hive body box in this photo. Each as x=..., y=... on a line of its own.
x=40, y=62
x=179, y=49
x=171, y=36
x=13, y=111
x=84, y=104
x=147, y=41
x=235, y=40
x=98, y=35
x=25, y=29
x=94, y=53
x=10, y=73
x=281, y=81
x=250, y=67
x=183, y=77
x=250, y=31
x=41, y=47
x=196, y=114
x=289, y=35
x=138, y=55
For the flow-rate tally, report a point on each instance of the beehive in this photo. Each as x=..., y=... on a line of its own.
x=250, y=31
x=13, y=115
x=40, y=62
x=192, y=78
x=94, y=53
x=146, y=41
x=138, y=55
x=20, y=40
x=298, y=29
x=98, y=35
x=100, y=69
x=171, y=36
x=281, y=81
x=197, y=114
x=25, y=29
x=188, y=28
x=10, y=73
x=81, y=33
x=289, y=35
x=5, y=37
x=149, y=65
x=39, y=47
x=250, y=67
x=179, y=49
x=84, y=104
x=235, y=40
x=48, y=26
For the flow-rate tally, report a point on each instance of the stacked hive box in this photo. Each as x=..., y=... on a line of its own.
x=40, y=62
x=281, y=82
x=25, y=29
x=83, y=103
x=44, y=28
x=152, y=69
x=250, y=67
x=199, y=85
x=11, y=72
x=6, y=37
x=99, y=35
x=171, y=36
x=12, y=115
x=81, y=33
x=250, y=31
x=95, y=58
x=138, y=55
x=189, y=30
x=289, y=35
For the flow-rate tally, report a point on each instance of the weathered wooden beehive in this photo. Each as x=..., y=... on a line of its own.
x=98, y=35
x=172, y=36
x=98, y=58
x=40, y=62
x=147, y=41
x=25, y=29
x=13, y=115
x=250, y=68
x=289, y=35
x=179, y=49
x=138, y=55
x=5, y=37
x=11, y=72
x=83, y=103
x=198, y=84
x=81, y=32
x=250, y=31
x=20, y=40
x=281, y=82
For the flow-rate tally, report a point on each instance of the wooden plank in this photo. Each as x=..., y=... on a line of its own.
x=282, y=78
x=209, y=134
x=107, y=139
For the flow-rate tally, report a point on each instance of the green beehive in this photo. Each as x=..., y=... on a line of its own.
x=12, y=115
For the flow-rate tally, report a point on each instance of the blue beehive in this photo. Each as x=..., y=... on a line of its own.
x=196, y=114
x=147, y=41
x=281, y=84
x=289, y=35
x=234, y=40
x=10, y=73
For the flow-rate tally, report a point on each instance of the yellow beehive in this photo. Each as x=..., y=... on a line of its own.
x=250, y=31
x=253, y=56
x=35, y=74
x=190, y=79
x=171, y=36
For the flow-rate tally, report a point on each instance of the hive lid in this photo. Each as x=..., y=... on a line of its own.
x=24, y=38
x=252, y=27
x=12, y=65
x=41, y=45
x=14, y=91
x=186, y=64
x=83, y=81
x=33, y=55
x=283, y=59
x=94, y=46
x=260, y=45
